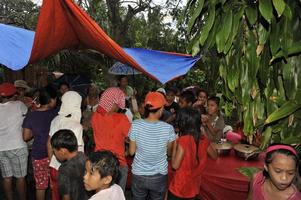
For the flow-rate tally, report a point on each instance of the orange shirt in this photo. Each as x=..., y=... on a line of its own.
x=110, y=132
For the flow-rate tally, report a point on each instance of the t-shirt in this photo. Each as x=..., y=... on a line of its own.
x=217, y=121
x=60, y=122
x=39, y=124
x=110, y=132
x=151, y=146
x=258, y=192
x=12, y=114
x=182, y=183
x=70, y=178
x=112, y=193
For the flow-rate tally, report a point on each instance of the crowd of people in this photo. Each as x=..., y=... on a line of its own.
x=168, y=133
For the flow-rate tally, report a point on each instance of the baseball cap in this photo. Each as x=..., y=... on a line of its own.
x=7, y=89
x=155, y=99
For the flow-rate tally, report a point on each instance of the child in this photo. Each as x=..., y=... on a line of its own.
x=187, y=98
x=185, y=157
x=72, y=170
x=36, y=125
x=151, y=141
x=68, y=117
x=101, y=174
x=276, y=181
x=213, y=122
x=201, y=102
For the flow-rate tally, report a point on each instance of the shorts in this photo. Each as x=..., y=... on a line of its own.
x=14, y=162
x=41, y=173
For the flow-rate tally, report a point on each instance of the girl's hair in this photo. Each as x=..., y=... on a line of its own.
x=106, y=163
x=188, y=96
x=202, y=90
x=148, y=110
x=214, y=99
x=285, y=151
x=188, y=121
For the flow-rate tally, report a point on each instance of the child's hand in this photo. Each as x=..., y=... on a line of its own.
x=204, y=119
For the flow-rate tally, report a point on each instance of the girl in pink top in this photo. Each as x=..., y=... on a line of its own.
x=280, y=171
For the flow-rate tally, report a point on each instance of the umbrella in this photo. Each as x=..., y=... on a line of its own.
x=122, y=69
x=77, y=82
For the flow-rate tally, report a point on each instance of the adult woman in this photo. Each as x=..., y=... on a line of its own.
x=150, y=140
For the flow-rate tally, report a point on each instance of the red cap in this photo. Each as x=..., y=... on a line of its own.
x=155, y=99
x=7, y=89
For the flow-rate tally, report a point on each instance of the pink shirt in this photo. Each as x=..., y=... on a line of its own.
x=112, y=193
x=258, y=192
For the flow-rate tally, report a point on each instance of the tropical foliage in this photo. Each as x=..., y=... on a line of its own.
x=257, y=43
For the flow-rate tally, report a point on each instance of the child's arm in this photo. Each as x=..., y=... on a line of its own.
x=250, y=194
x=27, y=134
x=132, y=147
x=49, y=148
x=177, y=155
x=212, y=152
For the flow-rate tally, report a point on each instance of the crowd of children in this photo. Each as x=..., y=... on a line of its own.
x=169, y=140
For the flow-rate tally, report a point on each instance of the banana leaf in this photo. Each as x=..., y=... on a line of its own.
x=248, y=171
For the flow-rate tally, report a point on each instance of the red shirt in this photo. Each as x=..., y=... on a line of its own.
x=110, y=132
x=186, y=180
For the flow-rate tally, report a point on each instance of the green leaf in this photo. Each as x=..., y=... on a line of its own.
x=288, y=12
x=266, y=9
x=285, y=110
x=279, y=6
x=195, y=15
x=251, y=13
x=263, y=34
x=267, y=134
x=224, y=32
x=295, y=49
x=248, y=171
x=208, y=25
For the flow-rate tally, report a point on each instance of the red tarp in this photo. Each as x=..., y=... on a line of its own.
x=64, y=25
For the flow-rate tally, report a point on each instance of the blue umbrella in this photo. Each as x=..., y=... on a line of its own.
x=122, y=69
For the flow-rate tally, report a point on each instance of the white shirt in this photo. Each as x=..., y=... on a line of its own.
x=12, y=114
x=112, y=193
x=59, y=123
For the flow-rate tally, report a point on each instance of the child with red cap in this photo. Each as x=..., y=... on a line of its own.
x=13, y=150
x=151, y=141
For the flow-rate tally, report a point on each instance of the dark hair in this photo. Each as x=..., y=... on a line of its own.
x=202, y=90
x=188, y=121
x=188, y=96
x=64, y=138
x=148, y=110
x=171, y=89
x=106, y=163
x=215, y=99
x=45, y=95
x=64, y=83
x=121, y=77
x=269, y=157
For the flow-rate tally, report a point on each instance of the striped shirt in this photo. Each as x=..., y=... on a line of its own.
x=151, y=146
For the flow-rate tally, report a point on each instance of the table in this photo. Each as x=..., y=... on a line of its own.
x=222, y=181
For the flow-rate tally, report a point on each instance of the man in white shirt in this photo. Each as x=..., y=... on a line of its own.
x=13, y=150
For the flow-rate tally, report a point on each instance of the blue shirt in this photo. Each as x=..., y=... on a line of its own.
x=151, y=146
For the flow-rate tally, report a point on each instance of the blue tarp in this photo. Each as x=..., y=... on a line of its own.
x=17, y=43
x=15, y=46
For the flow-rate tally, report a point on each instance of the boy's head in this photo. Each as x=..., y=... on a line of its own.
x=63, y=142
x=101, y=170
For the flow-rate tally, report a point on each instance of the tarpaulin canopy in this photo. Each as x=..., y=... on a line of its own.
x=64, y=25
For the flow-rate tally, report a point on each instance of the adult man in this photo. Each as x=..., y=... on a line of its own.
x=13, y=150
